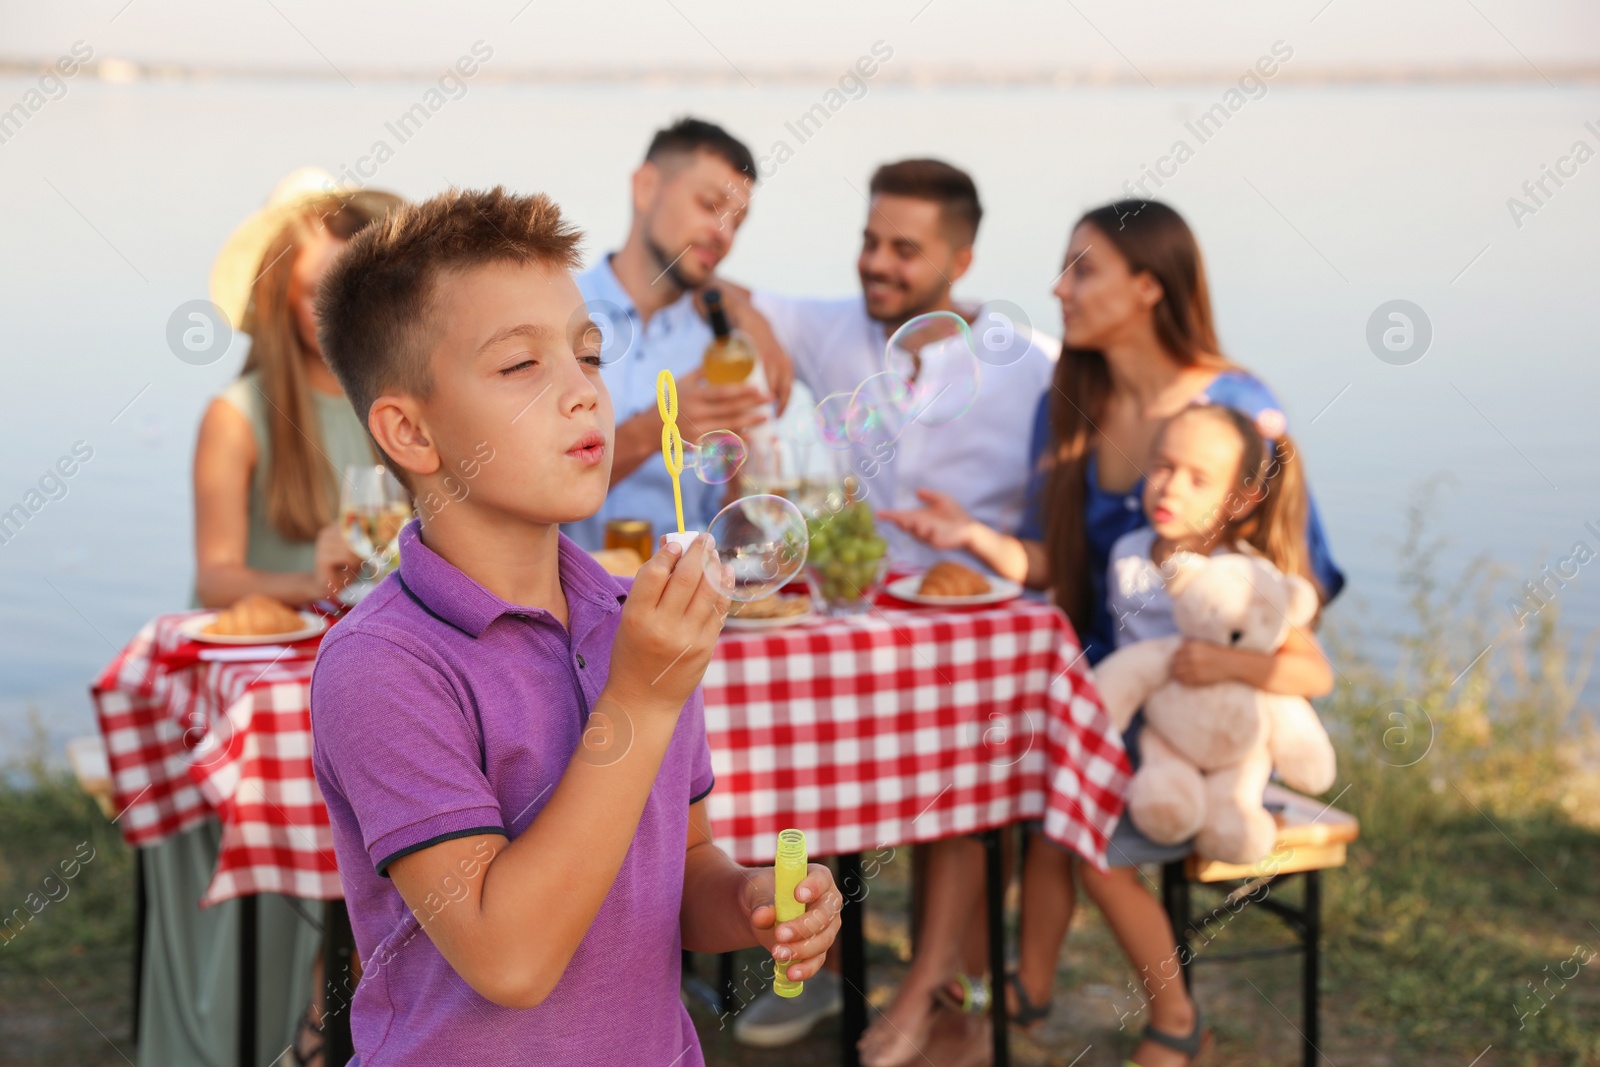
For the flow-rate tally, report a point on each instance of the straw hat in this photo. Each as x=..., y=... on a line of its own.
x=238, y=265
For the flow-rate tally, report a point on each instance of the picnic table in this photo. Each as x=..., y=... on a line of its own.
x=901, y=726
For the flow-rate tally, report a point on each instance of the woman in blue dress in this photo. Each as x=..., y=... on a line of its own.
x=1138, y=346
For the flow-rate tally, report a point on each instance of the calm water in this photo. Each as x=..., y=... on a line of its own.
x=1314, y=207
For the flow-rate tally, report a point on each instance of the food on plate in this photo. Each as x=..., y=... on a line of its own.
x=948, y=578
x=620, y=562
x=846, y=557
x=255, y=616
x=776, y=606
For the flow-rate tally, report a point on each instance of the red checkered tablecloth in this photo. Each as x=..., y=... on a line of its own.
x=907, y=726
x=898, y=727
x=186, y=739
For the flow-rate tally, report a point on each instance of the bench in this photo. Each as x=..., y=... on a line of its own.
x=1312, y=837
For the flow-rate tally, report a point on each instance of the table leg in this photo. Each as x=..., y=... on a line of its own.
x=247, y=981
x=1175, y=899
x=141, y=919
x=338, y=986
x=852, y=957
x=1313, y=943
x=995, y=877
x=725, y=989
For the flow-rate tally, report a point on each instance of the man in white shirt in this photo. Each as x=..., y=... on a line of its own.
x=916, y=244
x=690, y=196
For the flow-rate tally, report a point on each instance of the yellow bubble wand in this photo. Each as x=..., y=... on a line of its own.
x=671, y=439
x=788, y=870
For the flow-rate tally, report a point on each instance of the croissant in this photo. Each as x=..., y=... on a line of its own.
x=619, y=562
x=947, y=578
x=255, y=616
x=772, y=607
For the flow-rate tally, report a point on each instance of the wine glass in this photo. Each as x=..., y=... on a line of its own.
x=373, y=506
x=769, y=465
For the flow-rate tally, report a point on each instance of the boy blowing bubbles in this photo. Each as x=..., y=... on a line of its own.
x=517, y=895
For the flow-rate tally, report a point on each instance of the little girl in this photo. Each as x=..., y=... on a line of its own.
x=1214, y=485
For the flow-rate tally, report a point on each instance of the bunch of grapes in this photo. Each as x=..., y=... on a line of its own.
x=846, y=555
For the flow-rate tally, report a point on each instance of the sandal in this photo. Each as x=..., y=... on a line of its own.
x=972, y=996
x=1028, y=1014
x=1193, y=1045
x=314, y=1053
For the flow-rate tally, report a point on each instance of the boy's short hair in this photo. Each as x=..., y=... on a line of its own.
x=932, y=179
x=373, y=305
x=687, y=136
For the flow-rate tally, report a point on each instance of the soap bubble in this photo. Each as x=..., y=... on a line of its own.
x=931, y=375
x=935, y=354
x=831, y=420
x=761, y=546
x=716, y=458
x=880, y=410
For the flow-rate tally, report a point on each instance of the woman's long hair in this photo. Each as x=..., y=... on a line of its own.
x=1153, y=239
x=301, y=484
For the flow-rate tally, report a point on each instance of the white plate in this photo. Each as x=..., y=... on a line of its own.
x=733, y=622
x=999, y=592
x=191, y=628
x=356, y=592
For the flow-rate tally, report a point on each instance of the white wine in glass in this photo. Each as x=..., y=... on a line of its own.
x=373, y=506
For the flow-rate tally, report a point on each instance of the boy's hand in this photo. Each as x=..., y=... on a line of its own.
x=800, y=945
x=669, y=629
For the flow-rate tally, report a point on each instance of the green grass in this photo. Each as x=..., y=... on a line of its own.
x=1436, y=940
x=65, y=972
x=1479, y=859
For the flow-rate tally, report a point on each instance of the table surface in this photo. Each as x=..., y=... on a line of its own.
x=891, y=728
x=910, y=725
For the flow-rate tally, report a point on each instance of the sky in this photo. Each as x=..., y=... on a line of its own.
x=1110, y=39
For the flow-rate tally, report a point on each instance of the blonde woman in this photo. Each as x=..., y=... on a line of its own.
x=271, y=451
x=274, y=444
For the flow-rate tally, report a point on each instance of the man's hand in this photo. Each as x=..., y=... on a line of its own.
x=774, y=360
x=703, y=407
x=745, y=318
x=1201, y=663
x=800, y=945
x=668, y=631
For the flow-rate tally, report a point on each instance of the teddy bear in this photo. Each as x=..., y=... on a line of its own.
x=1207, y=752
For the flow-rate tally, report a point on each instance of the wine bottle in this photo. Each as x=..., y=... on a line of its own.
x=730, y=357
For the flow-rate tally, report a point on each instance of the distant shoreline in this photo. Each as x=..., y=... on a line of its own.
x=122, y=71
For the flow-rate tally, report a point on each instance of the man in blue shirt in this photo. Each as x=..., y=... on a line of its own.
x=690, y=196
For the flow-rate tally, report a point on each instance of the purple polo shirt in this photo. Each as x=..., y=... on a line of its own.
x=439, y=710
